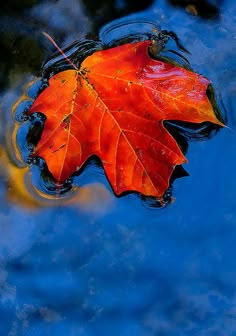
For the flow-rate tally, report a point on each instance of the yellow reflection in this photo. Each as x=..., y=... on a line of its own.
x=92, y=198
x=14, y=178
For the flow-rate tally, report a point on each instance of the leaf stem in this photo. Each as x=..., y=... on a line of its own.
x=59, y=49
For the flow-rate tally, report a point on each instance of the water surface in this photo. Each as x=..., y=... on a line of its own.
x=100, y=265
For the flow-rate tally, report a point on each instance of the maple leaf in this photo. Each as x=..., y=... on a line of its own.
x=114, y=107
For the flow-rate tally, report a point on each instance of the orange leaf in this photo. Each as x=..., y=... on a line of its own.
x=114, y=107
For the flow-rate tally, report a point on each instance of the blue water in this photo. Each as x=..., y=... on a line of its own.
x=101, y=265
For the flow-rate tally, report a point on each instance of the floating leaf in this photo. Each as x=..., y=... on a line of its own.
x=113, y=107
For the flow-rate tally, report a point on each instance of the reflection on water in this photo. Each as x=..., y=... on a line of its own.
x=116, y=267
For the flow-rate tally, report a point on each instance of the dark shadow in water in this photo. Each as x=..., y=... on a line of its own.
x=15, y=7
x=20, y=50
x=21, y=53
